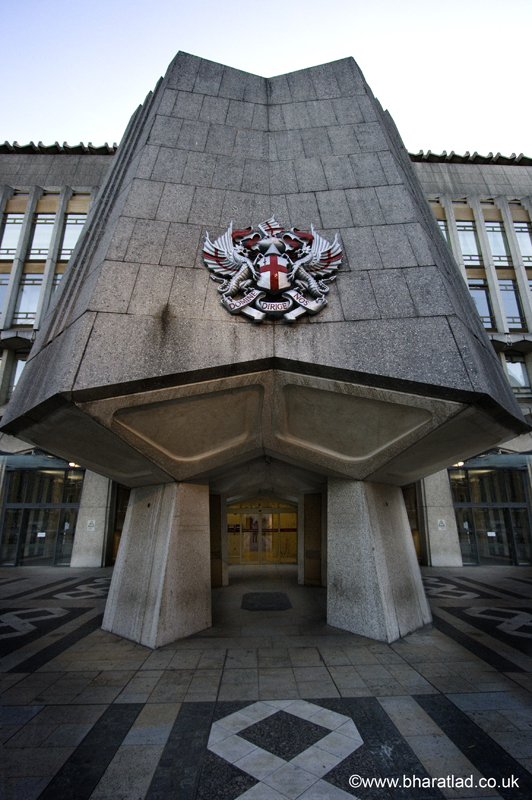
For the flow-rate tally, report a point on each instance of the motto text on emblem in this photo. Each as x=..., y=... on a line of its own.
x=275, y=273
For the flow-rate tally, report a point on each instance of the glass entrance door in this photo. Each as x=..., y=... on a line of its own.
x=262, y=531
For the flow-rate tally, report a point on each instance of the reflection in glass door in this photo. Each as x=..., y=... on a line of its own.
x=39, y=516
x=262, y=531
x=492, y=515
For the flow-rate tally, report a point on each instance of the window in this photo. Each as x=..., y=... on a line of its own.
x=27, y=299
x=512, y=304
x=442, y=224
x=4, y=283
x=518, y=375
x=469, y=246
x=524, y=237
x=20, y=363
x=492, y=509
x=10, y=234
x=478, y=288
x=73, y=226
x=42, y=234
x=498, y=244
x=40, y=510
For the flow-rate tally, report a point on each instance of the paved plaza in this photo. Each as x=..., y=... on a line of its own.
x=270, y=703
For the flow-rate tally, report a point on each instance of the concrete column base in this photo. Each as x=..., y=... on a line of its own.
x=160, y=589
x=374, y=583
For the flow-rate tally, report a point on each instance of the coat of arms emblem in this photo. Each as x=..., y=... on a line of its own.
x=275, y=273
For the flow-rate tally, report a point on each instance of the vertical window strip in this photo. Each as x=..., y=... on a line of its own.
x=518, y=375
x=523, y=231
x=18, y=367
x=478, y=288
x=27, y=299
x=498, y=244
x=72, y=230
x=467, y=234
x=512, y=304
x=10, y=235
x=41, y=237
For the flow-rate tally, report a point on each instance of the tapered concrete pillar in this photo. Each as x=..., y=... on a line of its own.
x=160, y=589
x=374, y=583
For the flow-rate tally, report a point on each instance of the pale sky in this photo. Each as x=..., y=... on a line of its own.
x=455, y=75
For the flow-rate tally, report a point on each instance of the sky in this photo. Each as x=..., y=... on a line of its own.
x=454, y=74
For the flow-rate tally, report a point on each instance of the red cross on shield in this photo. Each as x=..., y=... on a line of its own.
x=274, y=273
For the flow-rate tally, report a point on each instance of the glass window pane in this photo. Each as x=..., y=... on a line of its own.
x=39, y=531
x=442, y=224
x=4, y=283
x=512, y=305
x=459, y=485
x=492, y=536
x=73, y=227
x=10, y=536
x=468, y=242
x=250, y=538
x=41, y=237
x=288, y=538
x=523, y=232
x=72, y=486
x=17, y=485
x=47, y=486
x=28, y=299
x=498, y=244
x=20, y=363
x=521, y=529
x=515, y=480
x=466, y=535
x=487, y=486
x=65, y=536
x=478, y=289
x=10, y=234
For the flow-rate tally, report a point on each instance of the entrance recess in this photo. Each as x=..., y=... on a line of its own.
x=262, y=531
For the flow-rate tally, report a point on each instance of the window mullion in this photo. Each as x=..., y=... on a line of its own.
x=445, y=201
x=18, y=261
x=55, y=243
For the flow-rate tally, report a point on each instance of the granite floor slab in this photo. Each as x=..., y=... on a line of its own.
x=269, y=704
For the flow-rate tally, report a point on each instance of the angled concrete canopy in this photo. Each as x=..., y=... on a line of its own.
x=139, y=373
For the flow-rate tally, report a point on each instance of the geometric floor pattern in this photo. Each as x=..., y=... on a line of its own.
x=294, y=778
x=267, y=704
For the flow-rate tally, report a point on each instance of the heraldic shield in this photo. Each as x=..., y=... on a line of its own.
x=274, y=273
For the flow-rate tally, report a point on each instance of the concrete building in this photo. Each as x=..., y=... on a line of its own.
x=305, y=423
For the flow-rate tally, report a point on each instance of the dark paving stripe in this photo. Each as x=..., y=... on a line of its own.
x=5, y=581
x=485, y=653
x=45, y=655
x=42, y=626
x=36, y=592
x=485, y=754
x=78, y=777
x=490, y=626
x=178, y=772
x=385, y=753
x=496, y=588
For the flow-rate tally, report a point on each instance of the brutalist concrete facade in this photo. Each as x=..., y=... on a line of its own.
x=141, y=375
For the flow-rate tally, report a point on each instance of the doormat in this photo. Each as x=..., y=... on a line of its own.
x=265, y=601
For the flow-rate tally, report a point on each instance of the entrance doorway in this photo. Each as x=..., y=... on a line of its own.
x=262, y=530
